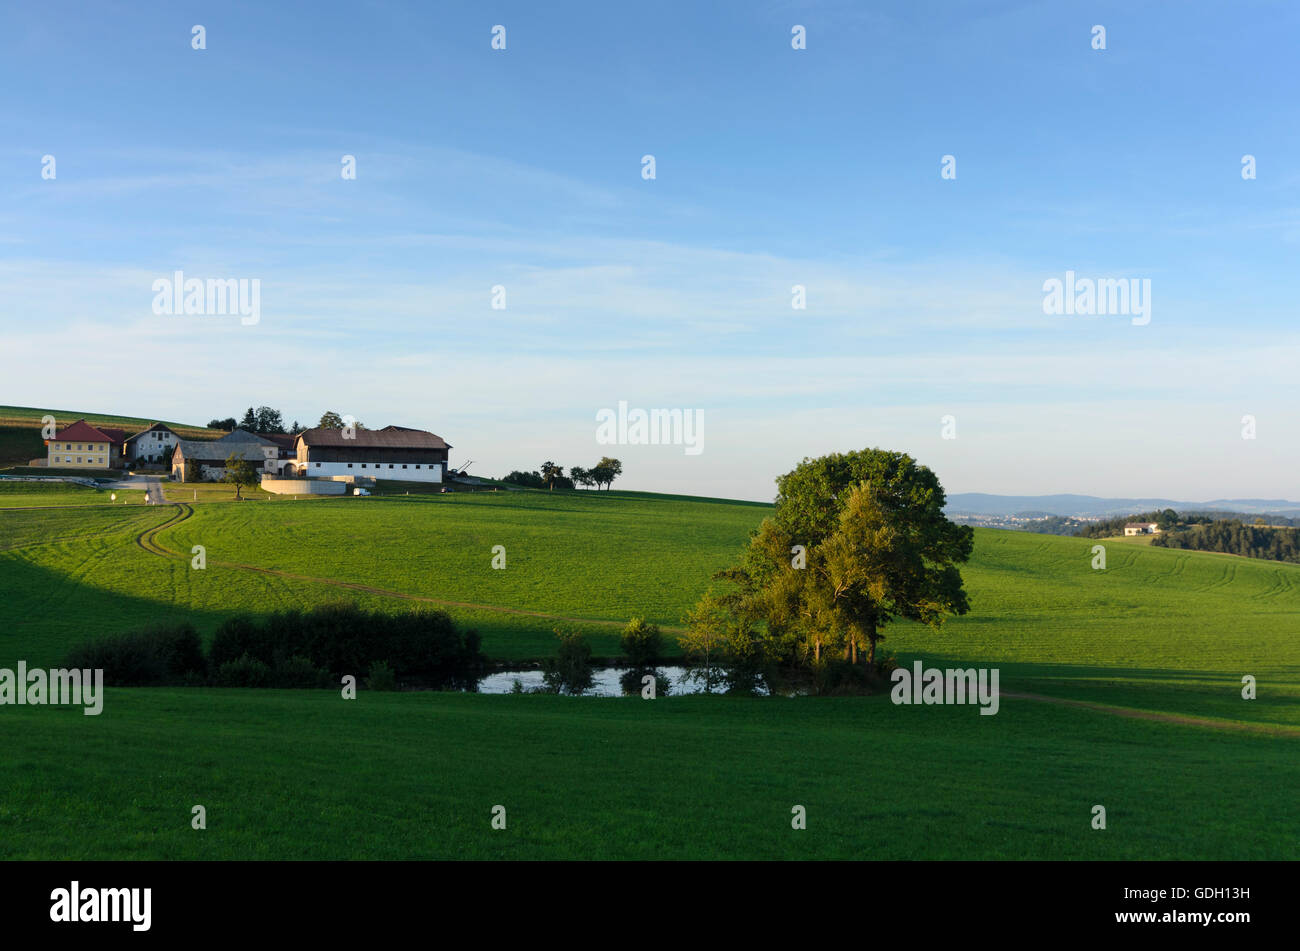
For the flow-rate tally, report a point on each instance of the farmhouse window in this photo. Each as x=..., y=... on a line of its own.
x=349, y=465
x=403, y=465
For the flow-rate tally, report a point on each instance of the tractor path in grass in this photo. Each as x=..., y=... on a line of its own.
x=148, y=541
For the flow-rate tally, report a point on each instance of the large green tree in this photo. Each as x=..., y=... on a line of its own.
x=857, y=540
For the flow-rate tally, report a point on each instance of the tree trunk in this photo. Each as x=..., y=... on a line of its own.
x=871, y=651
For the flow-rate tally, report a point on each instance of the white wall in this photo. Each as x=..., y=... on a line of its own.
x=147, y=446
x=377, y=470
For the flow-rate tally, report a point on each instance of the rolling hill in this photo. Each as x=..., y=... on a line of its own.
x=1121, y=687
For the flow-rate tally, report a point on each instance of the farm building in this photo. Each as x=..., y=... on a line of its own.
x=1141, y=528
x=284, y=455
x=198, y=460
x=151, y=445
x=82, y=446
x=394, y=452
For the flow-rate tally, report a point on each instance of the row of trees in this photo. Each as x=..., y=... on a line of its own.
x=1236, y=538
x=551, y=476
x=1171, y=521
x=294, y=648
x=265, y=419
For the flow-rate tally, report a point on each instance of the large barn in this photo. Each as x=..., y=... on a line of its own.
x=393, y=452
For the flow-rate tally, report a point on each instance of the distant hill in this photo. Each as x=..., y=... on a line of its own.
x=1091, y=506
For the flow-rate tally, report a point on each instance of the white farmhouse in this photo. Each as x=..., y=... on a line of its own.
x=150, y=445
x=1141, y=528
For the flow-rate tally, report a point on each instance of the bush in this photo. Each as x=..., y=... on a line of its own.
x=633, y=681
x=381, y=677
x=299, y=672
x=338, y=638
x=238, y=636
x=161, y=655
x=532, y=480
x=570, y=670
x=294, y=649
x=246, y=671
x=642, y=643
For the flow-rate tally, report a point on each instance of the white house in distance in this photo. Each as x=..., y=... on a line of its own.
x=394, y=452
x=150, y=445
x=1141, y=528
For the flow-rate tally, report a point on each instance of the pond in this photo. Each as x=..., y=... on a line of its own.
x=683, y=680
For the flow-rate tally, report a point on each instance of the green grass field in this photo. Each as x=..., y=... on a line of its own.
x=414, y=776
x=1200, y=773
x=24, y=494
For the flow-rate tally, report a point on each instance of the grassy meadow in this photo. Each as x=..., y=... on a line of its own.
x=28, y=494
x=1165, y=636
x=305, y=774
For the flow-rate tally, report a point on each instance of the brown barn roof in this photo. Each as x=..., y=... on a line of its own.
x=390, y=437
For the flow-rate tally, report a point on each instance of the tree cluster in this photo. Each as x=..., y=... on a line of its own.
x=263, y=419
x=551, y=476
x=857, y=540
x=1233, y=537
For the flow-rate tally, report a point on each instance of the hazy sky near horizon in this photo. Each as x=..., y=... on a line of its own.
x=775, y=167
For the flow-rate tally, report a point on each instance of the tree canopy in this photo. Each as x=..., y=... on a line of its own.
x=857, y=540
x=239, y=472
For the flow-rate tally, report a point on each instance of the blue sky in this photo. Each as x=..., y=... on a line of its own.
x=775, y=167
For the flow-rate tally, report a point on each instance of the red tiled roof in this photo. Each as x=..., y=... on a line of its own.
x=83, y=431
